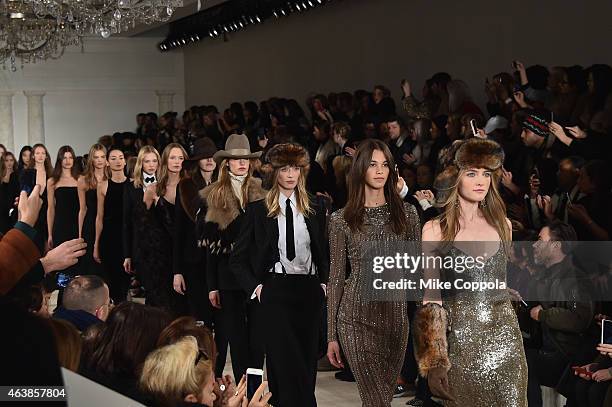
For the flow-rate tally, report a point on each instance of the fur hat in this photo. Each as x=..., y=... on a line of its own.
x=288, y=154
x=479, y=153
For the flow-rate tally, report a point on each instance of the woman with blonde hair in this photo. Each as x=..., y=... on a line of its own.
x=479, y=360
x=219, y=221
x=139, y=243
x=281, y=262
x=94, y=174
x=178, y=374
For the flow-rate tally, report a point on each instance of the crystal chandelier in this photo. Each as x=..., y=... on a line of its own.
x=105, y=17
x=30, y=38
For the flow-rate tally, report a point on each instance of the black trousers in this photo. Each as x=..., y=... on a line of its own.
x=545, y=369
x=197, y=294
x=239, y=320
x=291, y=306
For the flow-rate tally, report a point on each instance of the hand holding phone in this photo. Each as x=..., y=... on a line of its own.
x=579, y=370
x=254, y=380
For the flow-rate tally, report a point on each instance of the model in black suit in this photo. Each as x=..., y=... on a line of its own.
x=281, y=261
x=219, y=221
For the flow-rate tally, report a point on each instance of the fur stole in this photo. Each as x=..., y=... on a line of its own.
x=219, y=230
x=190, y=198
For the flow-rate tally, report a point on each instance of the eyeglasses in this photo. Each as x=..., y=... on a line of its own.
x=201, y=355
x=109, y=304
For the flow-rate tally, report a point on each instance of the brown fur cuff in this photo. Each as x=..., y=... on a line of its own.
x=430, y=344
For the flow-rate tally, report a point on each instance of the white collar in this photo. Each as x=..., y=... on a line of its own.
x=282, y=199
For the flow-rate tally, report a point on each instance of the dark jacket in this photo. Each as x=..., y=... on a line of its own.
x=18, y=254
x=256, y=250
x=219, y=228
x=185, y=239
x=566, y=309
x=79, y=318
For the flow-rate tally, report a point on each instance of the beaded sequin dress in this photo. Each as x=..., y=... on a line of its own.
x=373, y=335
x=488, y=364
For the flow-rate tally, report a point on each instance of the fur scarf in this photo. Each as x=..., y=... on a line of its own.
x=430, y=344
x=219, y=231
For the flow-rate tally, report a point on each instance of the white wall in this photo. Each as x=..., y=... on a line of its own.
x=95, y=92
x=354, y=44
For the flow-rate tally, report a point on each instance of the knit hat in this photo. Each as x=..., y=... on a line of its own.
x=536, y=123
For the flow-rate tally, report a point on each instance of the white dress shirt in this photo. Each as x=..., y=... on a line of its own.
x=302, y=263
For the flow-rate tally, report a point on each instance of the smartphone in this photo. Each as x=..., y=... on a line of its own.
x=552, y=116
x=473, y=125
x=606, y=331
x=62, y=280
x=254, y=378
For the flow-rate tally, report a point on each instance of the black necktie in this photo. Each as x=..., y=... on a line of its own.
x=149, y=179
x=290, y=242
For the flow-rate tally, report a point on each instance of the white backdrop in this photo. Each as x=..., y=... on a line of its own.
x=96, y=92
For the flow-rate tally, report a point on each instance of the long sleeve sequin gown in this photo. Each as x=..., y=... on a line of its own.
x=488, y=365
x=373, y=335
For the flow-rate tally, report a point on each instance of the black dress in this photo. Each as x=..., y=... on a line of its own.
x=148, y=243
x=66, y=221
x=110, y=242
x=8, y=192
x=87, y=263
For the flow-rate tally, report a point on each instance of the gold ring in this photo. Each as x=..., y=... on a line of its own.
x=236, y=393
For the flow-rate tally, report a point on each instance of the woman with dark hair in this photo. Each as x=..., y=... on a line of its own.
x=25, y=155
x=590, y=214
x=87, y=187
x=128, y=336
x=9, y=190
x=597, y=114
x=189, y=261
x=109, y=219
x=39, y=170
x=373, y=334
x=63, y=210
x=219, y=219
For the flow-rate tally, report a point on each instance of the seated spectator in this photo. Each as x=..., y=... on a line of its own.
x=178, y=374
x=68, y=343
x=400, y=142
x=86, y=302
x=564, y=312
x=128, y=336
x=188, y=326
x=593, y=389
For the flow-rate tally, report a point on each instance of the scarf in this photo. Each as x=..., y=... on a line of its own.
x=237, y=182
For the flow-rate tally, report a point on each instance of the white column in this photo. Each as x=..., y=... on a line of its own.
x=6, y=120
x=36, y=117
x=165, y=101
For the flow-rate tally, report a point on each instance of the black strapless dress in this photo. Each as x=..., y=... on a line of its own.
x=66, y=221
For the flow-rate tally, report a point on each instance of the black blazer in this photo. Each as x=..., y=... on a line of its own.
x=256, y=250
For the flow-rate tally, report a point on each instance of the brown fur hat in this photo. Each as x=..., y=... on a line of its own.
x=479, y=153
x=288, y=154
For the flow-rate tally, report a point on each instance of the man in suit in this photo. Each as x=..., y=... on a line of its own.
x=281, y=261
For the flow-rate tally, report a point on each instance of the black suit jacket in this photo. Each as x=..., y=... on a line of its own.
x=256, y=250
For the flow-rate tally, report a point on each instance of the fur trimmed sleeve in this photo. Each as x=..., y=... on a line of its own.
x=430, y=344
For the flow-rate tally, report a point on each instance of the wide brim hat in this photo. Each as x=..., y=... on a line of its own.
x=285, y=154
x=236, y=146
x=479, y=153
x=203, y=148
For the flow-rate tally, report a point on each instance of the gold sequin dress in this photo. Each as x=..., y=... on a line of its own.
x=373, y=335
x=488, y=364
